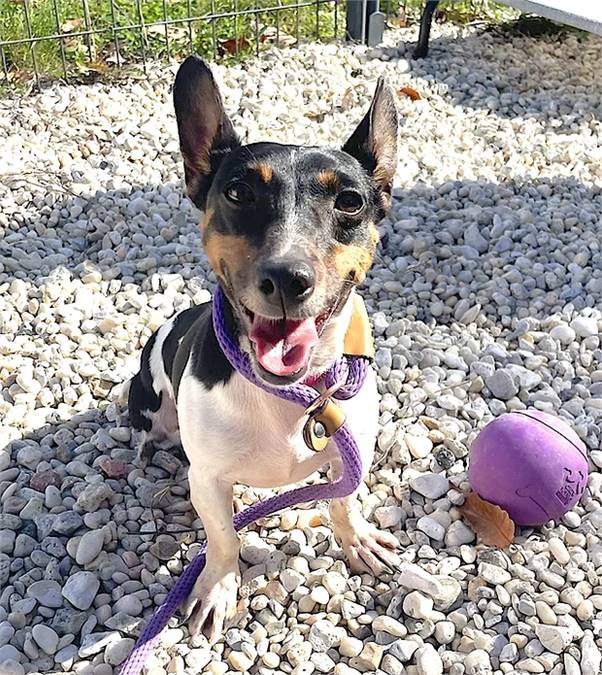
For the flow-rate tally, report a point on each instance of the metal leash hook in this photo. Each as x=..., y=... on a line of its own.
x=324, y=419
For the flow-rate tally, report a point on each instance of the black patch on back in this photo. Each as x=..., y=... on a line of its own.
x=142, y=396
x=182, y=324
x=209, y=364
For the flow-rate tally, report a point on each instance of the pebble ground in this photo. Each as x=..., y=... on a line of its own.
x=486, y=297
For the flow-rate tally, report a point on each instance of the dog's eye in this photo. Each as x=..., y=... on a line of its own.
x=239, y=193
x=349, y=202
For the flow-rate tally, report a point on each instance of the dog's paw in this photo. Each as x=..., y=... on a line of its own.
x=212, y=603
x=369, y=549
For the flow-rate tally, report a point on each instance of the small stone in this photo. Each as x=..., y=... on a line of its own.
x=530, y=666
x=239, y=662
x=198, y=659
x=431, y=528
x=93, y=643
x=29, y=456
x=350, y=646
x=493, y=574
x=387, y=624
x=128, y=604
x=509, y=653
x=90, y=545
x=9, y=653
x=117, y=652
x=41, y=480
x=334, y=583
x=458, y=533
x=388, y=516
x=403, y=649
x=554, y=638
x=80, y=589
x=67, y=522
x=417, y=605
x=93, y=496
x=419, y=446
x=445, y=632
x=478, y=663
x=391, y=666
x=47, y=593
x=291, y=579
x=585, y=326
x=443, y=589
x=66, y=656
x=430, y=485
x=501, y=384
x=270, y=660
x=24, y=546
x=563, y=333
x=45, y=638
x=113, y=468
x=322, y=635
x=12, y=667
x=559, y=550
x=428, y=661
x=320, y=595
x=591, y=656
x=370, y=656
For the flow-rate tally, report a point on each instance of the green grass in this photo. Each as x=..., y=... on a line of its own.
x=83, y=56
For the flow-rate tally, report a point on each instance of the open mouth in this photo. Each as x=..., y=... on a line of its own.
x=283, y=347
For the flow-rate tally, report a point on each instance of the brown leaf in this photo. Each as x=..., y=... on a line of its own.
x=491, y=524
x=71, y=25
x=411, y=93
x=233, y=46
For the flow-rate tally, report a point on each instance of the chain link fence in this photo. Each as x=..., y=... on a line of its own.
x=79, y=40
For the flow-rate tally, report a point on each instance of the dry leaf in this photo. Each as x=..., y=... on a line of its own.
x=411, y=93
x=233, y=46
x=71, y=25
x=491, y=524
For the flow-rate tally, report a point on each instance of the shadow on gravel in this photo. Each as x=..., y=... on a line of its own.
x=553, y=79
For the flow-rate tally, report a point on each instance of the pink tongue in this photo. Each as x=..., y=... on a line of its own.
x=283, y=348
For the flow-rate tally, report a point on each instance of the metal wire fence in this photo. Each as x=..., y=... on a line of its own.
x=84, y=39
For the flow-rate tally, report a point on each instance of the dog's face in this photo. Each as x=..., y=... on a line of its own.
x=288, y=230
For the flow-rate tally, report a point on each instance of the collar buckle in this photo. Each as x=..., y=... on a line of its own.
x=325, y=418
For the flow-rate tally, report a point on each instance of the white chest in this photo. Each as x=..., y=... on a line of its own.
x=247, y=436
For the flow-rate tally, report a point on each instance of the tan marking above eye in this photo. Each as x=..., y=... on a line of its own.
x=329, y=179
x=226, y=249
x=265, y=171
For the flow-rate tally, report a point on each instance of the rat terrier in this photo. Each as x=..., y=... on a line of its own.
x=289, y=231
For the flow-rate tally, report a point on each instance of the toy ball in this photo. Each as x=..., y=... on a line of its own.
x=531, y=464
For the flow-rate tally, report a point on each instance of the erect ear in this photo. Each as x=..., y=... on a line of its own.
x=206, y=133
x=374, y=142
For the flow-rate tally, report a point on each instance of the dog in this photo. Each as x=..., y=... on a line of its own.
x=290, y=232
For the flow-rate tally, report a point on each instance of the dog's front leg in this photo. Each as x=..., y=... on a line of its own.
x=367, y=548
x=213, y=598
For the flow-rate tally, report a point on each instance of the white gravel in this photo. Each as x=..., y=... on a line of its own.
x=486, y=297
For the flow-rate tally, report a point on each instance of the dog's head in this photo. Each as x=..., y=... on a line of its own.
x=289, y=230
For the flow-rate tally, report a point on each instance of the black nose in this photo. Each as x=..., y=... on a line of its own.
x=287, y=281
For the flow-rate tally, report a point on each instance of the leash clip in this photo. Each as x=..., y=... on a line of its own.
x=325, y=418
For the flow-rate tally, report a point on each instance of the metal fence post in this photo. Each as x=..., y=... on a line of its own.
x=365, y=23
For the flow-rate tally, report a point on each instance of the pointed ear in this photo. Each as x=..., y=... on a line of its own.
x=374, y=142
x=206, y=133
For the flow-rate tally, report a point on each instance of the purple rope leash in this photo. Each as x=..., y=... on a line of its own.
x=351, y=370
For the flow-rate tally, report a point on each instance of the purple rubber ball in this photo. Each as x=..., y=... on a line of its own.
x=531, y=464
